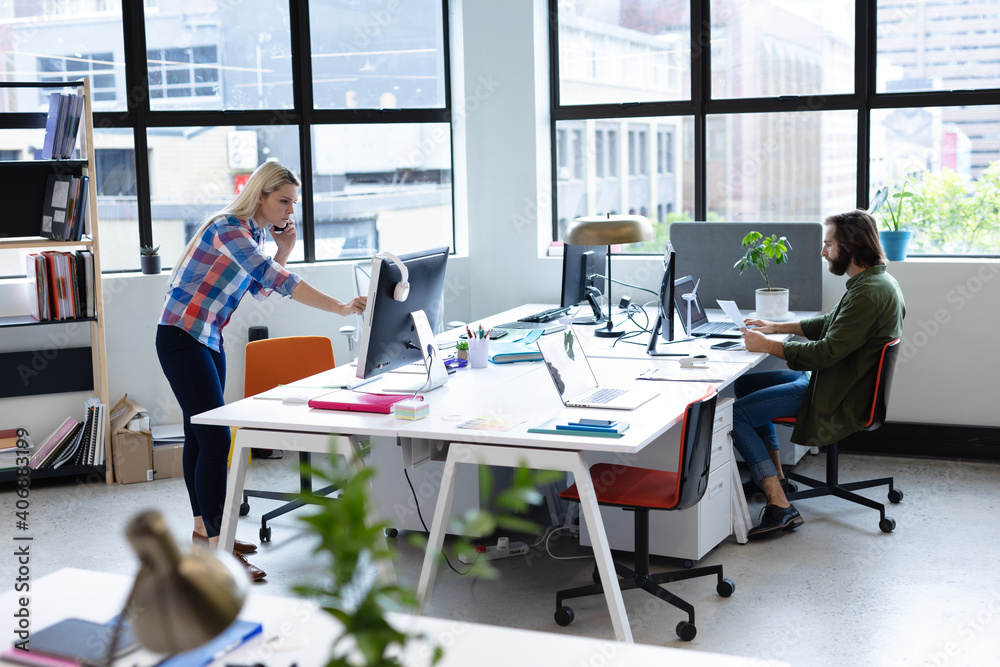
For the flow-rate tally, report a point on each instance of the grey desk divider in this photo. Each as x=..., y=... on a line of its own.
x=708, y=250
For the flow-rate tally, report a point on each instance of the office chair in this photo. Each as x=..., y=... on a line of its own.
x=269, y=363
x=640, y=490
x=832, y=486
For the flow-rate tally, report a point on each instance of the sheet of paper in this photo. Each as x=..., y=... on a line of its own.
x=732, y=312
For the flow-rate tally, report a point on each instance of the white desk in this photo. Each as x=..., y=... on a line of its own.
x=299, y=632
x=514, y=391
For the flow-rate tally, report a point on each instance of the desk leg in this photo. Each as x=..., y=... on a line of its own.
x=541, y=459
x=435, y=541
x=234, y=490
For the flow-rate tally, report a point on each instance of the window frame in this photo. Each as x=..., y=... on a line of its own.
x=702, y=106
x=138, y=117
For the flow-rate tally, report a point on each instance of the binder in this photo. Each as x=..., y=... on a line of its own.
x=51, y=126
x=358, y=401
x=54, y=207
x=39, y=291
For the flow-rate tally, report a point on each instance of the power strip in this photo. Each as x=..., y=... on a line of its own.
x=492, y=552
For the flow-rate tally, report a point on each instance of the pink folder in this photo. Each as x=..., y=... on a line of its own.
x=358, y=401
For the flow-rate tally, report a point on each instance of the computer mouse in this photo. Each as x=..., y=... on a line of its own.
x=295, y=400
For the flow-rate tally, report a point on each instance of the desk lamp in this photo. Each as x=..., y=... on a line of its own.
x=609, y=230
x=180, y=600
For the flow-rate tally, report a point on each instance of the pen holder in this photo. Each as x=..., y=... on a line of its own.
x=479, y=350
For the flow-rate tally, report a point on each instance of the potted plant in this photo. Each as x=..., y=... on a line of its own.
x=758, y=252
x=462, y=349
x=894, y=238
x=149, y=259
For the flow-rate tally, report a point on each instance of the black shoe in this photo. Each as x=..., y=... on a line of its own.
x=265, y=453
x=775, y=521
x=750, y=489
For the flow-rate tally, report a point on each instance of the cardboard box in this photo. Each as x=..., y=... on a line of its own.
x=132, y=450
x=168, y=461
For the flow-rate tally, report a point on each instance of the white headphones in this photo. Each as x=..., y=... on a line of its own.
x=402, y=289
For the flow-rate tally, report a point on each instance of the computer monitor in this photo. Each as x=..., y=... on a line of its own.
x=582, y=277
x=396, y=332
x=664, y=325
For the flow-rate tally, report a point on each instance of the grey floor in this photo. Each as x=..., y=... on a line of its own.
x=835, y=592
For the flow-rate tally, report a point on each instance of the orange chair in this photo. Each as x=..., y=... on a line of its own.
x=832, y=485
x=640, y=490
x=271, y=362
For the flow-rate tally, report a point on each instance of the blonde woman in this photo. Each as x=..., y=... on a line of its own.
x=224, y=260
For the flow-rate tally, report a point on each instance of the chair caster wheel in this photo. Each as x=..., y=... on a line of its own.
x=887, y=524
x=725, y=588
x=688, y=563
x=564, y=616
x=791, y=487
x=596, y=576
x=244, y=508
x=686, y=631
x=265, y=534
x=391, y=532
x=895, y=495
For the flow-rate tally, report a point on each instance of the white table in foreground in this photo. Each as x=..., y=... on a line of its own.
x=298, y=632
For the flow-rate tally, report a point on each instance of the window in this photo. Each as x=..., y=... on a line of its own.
x=777, y=128
x=98, y=66
x=167, y=159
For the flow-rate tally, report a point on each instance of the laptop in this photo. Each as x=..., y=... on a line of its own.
x=700, y=326
x=575, y=380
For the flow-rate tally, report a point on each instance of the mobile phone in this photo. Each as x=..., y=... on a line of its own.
x=604, y=423
x=728, y=345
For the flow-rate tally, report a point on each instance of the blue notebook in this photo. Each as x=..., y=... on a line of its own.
x=231, y=638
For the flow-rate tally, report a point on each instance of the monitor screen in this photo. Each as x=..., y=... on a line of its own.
x=583, y=267
x=664, y=325
x=389, y=339
x=684, y=286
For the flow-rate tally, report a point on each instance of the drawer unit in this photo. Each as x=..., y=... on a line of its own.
x=690, y=533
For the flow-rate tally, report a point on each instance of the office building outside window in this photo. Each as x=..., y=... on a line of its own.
x=221, y=81
x=774, y=135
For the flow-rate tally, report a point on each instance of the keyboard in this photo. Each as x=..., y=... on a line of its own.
x=546, y=315
x=716, y=327
x=604, y=396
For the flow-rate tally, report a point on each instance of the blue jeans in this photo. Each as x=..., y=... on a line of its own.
x=197, y=376
x=761, y=397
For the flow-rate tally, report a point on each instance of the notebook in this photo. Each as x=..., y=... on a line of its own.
x=357, y=401
x=700, y=326
x=575, y=380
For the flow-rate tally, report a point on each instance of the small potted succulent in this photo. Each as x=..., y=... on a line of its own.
x=462, y=349
x=758, y=252
x=149, y=259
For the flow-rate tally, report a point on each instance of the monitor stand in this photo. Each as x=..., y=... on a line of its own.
x=437, y=374
x=598, y=316
x=655, y=335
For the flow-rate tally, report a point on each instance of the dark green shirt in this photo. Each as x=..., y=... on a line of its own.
x=843, y=353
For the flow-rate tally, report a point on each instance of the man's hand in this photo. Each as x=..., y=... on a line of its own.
x=762, y=326
x=755, y=341
x=355, y=306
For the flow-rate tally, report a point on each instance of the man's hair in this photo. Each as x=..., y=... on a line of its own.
x=857, y=234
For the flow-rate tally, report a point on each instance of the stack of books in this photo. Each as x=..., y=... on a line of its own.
x=9, y=451
x=600, y=428
x=61, y=285
x=61, y=126
x=74, y=442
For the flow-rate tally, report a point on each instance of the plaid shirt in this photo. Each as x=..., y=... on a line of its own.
x=226, y=262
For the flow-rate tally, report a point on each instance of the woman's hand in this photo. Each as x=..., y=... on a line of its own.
x=355, y=306
x=285, y=238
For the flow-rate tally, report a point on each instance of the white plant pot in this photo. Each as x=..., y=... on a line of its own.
x=772, y=304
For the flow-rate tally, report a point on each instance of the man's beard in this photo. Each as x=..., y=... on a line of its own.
x=838, y=267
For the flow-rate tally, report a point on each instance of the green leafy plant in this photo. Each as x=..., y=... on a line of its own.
x=148, y=250
x=353, y=546
x=893, y=217
x=462, y=345
x=759, y=251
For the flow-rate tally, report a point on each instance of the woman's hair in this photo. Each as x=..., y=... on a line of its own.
x=265, y=179
x=857, y=234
